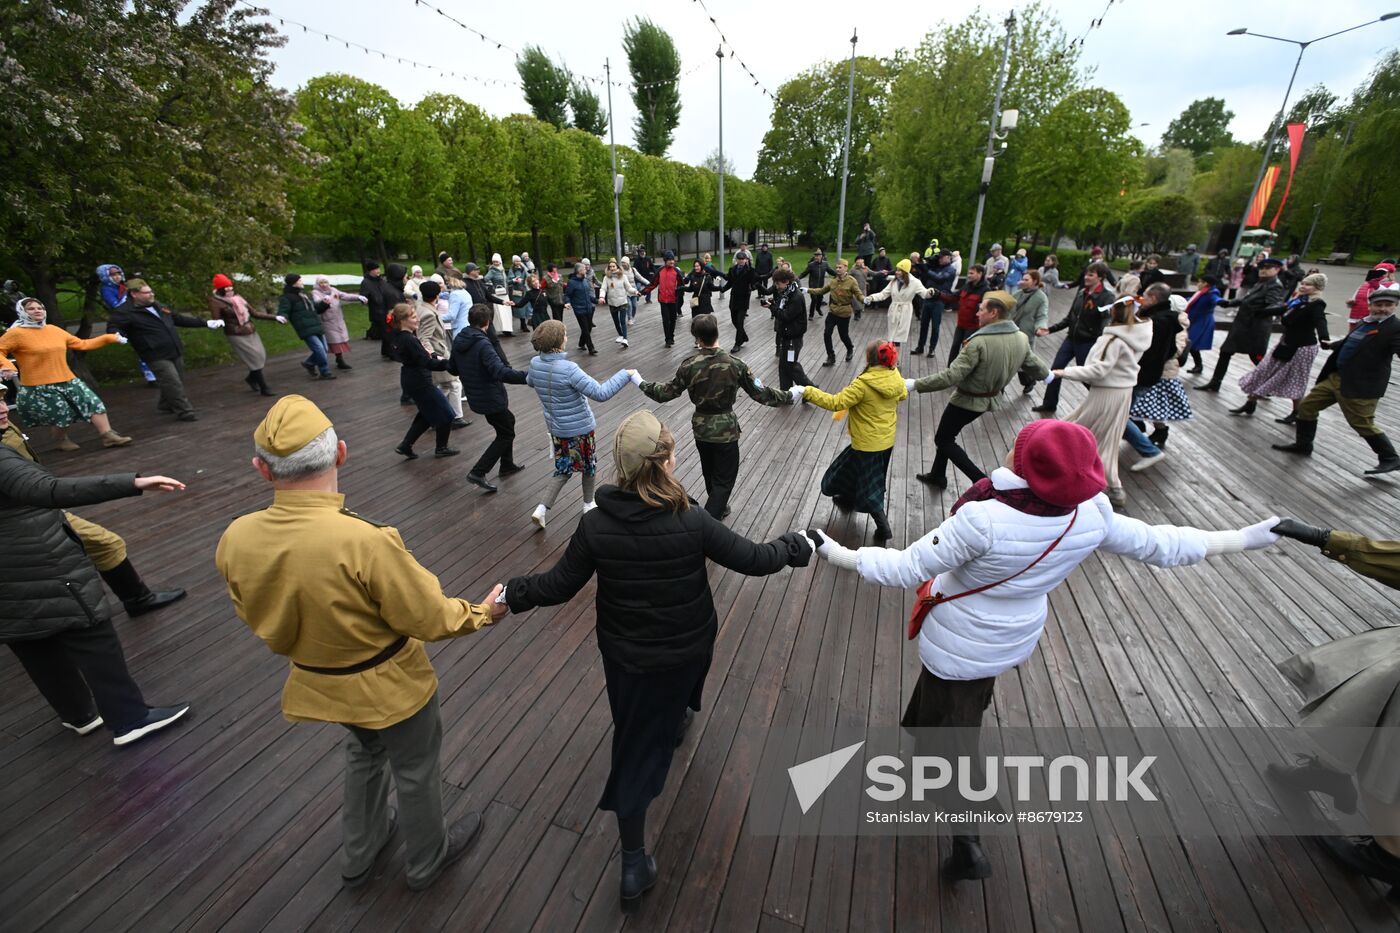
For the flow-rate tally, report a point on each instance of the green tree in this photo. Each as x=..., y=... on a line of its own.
x=548, y=172
x=587, y=108
x=656, y=69
x=1160, y=223
x=1223, y=191
x=1173, y=170
x=801, y=152
x=484, y=195
x=376, y=164
x=111, y=153
x=546, y=86
x=593, y=201
x=1084, y=138
x=1204, y=125
x=928, y=154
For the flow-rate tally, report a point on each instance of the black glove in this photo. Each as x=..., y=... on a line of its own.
x=799, y=548
x=1308, y=534
x=814, y=536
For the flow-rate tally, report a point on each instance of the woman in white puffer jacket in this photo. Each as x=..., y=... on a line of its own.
x=617, y=290
x=1019, y=533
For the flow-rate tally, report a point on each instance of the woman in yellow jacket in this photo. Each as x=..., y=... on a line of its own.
x=855, y=481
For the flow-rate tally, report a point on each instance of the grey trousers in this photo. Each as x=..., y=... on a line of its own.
x=409, y=749
x=170, y=376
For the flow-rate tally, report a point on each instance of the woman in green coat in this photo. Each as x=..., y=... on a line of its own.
x=298, y=308
x=1032, y=316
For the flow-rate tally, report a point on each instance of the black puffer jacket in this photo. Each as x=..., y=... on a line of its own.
x=47, y=583
x=654, y=606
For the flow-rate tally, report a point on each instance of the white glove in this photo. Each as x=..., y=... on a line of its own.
x=1050, y=378
x=121, y=338
x=636, y=379
x=1260, y=534
x=909, y=385
x=829, y=550
x=797, y=392
x=281, y=319
x=215, y=325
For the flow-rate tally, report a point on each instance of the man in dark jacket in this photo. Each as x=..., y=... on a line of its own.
x=865, y=244
x=1254, y=321
x=645, y=266
x=713, y=379
x=939, y=275
x=740, y=284
x=476, y=359
x=1355, y=377
x=789, y=324
x=763, y=265
x=378, y=304
x=150, y=326
x=1219, y=267
x=816, y=272
x=1084, y=324
x=54, y=614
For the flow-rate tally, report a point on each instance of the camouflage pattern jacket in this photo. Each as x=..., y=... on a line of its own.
x=713, y=378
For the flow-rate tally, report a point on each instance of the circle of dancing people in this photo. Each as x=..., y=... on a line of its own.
x=1048, y=505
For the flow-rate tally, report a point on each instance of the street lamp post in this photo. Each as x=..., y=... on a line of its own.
x=846, y=149
x=719, y=53
x=612, y=146
x=992, y=137
x=1274, y=124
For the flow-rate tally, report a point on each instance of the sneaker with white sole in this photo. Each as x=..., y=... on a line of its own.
x=624, y=343
x=94, y=723
x=589, y=506
x=1146, y=462
x=619, y=339
x=157, y=718
x=539, y=514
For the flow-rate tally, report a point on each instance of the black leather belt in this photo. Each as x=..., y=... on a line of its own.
x=375, y=661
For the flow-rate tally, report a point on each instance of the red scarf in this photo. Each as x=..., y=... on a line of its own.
x=1022, y=500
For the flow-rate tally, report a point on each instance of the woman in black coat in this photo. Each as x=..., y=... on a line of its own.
x=1287, y=371
x=656, y=617
x=701, y=284
x=54, y=613
x=416, y=382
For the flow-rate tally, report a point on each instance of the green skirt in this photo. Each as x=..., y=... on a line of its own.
x=58, y=404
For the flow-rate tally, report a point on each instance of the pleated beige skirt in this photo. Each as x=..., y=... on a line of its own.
x=249, y=350
x=1105, y=412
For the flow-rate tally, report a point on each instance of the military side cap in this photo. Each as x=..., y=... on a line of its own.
x=1003, y=297
x=292, y=423
x=635, y=440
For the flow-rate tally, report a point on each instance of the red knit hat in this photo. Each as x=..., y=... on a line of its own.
x=222, y=281
x=1059, y=461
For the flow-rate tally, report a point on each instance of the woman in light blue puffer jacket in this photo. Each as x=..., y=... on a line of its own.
x=564, y=390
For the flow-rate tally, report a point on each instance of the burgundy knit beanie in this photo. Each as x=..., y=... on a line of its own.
x=1059, y=461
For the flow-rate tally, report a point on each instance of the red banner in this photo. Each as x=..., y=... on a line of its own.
x=1295, y=145
x=1261, y=197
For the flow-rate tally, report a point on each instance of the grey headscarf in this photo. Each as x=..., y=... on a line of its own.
x=22, y=318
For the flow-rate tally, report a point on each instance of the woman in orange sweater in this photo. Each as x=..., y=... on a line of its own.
x=49, y=393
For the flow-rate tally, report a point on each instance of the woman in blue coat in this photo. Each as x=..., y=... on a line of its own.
x=1201, y=310
x=564, y=390
x=578, y=292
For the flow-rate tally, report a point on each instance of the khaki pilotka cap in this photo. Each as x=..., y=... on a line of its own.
x=635, y=440
x=292, y=423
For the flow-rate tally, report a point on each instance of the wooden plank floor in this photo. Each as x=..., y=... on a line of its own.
x=231, y=822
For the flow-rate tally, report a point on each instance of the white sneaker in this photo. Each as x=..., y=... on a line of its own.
x=589, y=506
x=619, y=339
x=83, y=729
x=623, y=341
x=1146, y=462
x=538, y=515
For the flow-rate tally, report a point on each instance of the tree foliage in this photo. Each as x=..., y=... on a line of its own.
x=1160, y=223
x=587, y=108
x=928, y=153
x=484, y=195
x=110, y=152
x=1204, y=125
x=801, y=152
x=656, y=69
x=546, y=86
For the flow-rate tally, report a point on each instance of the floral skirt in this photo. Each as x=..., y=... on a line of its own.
x=1274, y=378
x=1164, y=400
x=574, y=455
x=58, y=404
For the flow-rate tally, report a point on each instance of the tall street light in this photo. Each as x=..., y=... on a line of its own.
x=1269, y=135
x=1008, y=123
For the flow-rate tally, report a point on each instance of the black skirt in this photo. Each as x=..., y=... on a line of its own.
x=647, y=711
x=432, y=404
x=859, y=477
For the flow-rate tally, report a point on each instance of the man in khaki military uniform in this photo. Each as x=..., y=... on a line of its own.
x=354, y=632
x=104, y=548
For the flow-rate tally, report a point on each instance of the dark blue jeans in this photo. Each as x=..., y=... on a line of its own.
x=317, y=344
x=1069, y=350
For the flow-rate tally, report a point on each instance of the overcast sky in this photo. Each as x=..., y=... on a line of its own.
x=1157, y=57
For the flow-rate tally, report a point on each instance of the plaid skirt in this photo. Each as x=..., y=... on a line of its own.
x=1274, y=378
x=859, y=477
x=574, y=455
x=58, y=404
x=1164, y=400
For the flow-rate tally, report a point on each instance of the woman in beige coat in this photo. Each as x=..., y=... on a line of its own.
x=1110, y=372
x=901, y=291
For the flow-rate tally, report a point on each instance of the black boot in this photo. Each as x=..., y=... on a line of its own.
x=136, y=596
x=933, y=479
x=340, y=362
x=968, y=862
x=260, y=384
x=252, y=379
x=638, y=875
x=1312, y=775
x=1159, y=436
x=830, y=360
x=1222, y=366
x=1362, y=855
x=1303, y=444
x=1246, y=409
x=882, y=527
x=1290, y=418
x=1390, y=461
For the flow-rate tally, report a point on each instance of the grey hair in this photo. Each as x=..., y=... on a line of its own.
x=317, y=456
x=1159, y=290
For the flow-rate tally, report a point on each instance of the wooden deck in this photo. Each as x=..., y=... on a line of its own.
x=231, y=821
